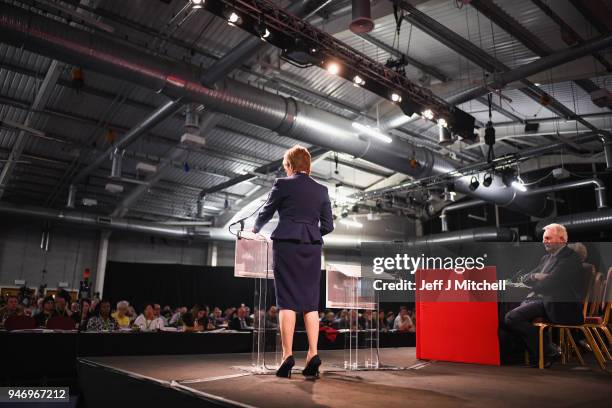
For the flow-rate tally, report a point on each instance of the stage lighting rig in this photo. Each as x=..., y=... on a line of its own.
x=304, y=45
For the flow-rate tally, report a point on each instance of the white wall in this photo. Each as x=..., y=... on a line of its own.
x=70, y=252
x=72, y=249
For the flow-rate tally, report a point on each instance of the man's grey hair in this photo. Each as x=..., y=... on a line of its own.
x=558, y=228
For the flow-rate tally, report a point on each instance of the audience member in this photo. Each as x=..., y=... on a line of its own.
x=48, y=312
x=9, y=310
x=82, y=317
x=61, y=303
x=189, y=323
x=240, y=321
x=328, y=319
x=390, y=320
x=120, y=315
x=272, y=318
x=403, y=322
x=103, y=320
x=342, y=321
x=147, y=321
x=176, y=319
x=217, y=317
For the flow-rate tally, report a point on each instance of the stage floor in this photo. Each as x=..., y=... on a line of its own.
x=420, y=384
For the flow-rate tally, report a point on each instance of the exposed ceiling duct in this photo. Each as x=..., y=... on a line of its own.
x=455, y=207
x=588, y=221
x=193, y=230
x=284, y=115
x=109, y=223
x=485, y=234
x=362, y=17
x=600, y=190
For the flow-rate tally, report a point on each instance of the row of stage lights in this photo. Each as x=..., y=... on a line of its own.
x=333, y=67
x=509, y=180
x=313, y=56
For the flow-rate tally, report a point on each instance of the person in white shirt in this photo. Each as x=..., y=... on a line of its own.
x=147, y=320
x=403, y=322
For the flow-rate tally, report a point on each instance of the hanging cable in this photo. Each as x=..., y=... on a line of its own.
x=490, y=131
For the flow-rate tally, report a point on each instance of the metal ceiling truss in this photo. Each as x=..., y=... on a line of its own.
x=286, y=29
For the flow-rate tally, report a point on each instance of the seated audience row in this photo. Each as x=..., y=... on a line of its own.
x=98, y=316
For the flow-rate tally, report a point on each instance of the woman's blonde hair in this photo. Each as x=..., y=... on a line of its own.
x=297, y=158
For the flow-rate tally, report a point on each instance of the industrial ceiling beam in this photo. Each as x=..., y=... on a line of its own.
x=504, y=20
x=232, y=60
x=40, y=101
x=434, y=72
x=470, y=51
x=596, y=12
x=499, y=80
x=571, y=34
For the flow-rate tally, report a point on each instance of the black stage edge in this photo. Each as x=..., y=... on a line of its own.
x=219, y=380
x=102, y=386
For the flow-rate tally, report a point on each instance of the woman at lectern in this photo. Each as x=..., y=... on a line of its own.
x=305, y=215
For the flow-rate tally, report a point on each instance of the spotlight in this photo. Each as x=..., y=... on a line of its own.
x=232, y=17
x=333, y=68
x=344, y=213
x=474, y=183
x=427, y=114
x=262, y=31
x=445, y=137
x=358, y=81
x=395, y=97
x=197, y=4
x=442, y=122
x=487, y=179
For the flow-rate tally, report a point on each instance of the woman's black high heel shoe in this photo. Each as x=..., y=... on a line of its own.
x=312, y=368
x=285, y=369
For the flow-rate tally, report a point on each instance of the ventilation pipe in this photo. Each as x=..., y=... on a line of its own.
x=116, y=164
x=361, y=22
x=109, y=223
x=455, y=207
x=485, y=234
x=595, y=220
x=607, y=144
x=283, y=115
x=600, y=190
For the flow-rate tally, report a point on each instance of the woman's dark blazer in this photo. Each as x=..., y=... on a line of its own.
x=304, y=209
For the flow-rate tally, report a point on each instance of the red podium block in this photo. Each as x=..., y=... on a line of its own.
x=457, y=325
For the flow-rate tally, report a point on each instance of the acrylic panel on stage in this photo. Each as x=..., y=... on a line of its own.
x=345, y=288
x=253, y=258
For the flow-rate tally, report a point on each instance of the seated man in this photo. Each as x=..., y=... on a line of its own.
x=558, y=285
x=47, y=312
x=403, y=322
x=240, y=321
x=9, y=310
